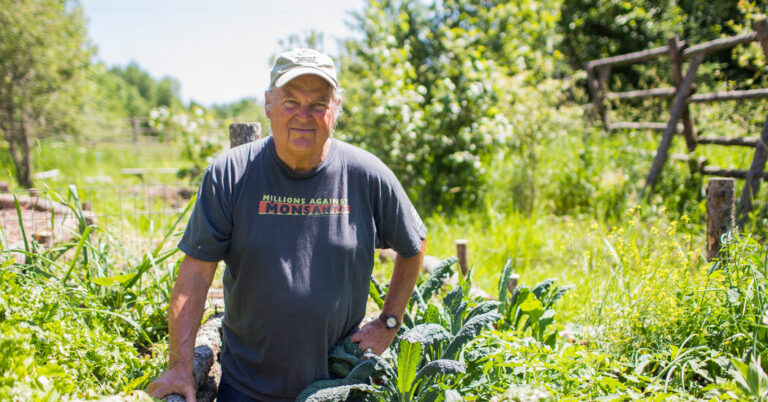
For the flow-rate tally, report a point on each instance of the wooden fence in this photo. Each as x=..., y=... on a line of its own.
x=680, y=120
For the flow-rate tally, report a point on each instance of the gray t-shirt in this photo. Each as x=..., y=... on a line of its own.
x=299, y=250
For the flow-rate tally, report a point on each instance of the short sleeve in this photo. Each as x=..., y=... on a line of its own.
x=399, y=226
x=208, y=232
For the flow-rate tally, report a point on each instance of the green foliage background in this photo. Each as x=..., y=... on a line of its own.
x=478, y=108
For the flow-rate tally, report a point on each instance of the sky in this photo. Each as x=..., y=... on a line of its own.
x=219, y=51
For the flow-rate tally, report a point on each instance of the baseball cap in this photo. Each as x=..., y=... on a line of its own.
x=297, y=62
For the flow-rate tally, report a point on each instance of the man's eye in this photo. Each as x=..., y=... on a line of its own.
x=319, y=107
x=291, y=103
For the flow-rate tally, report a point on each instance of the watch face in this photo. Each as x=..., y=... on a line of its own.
x=391, y=322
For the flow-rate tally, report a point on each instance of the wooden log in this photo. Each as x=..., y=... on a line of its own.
x=718, y=44
x=675, y=51
x=730, y=141
x=33, y=202
x=243, y=133
x=629, y=125
x=645, y=93
x=675, y=114
x=729, y=95
x=733, y=173
x=720, y=204
x=461, y=254
x=630, y=58
x=207, y=348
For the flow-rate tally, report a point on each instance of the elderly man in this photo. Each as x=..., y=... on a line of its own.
x=296, y=217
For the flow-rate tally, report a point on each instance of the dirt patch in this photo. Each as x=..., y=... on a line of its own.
x=42, y=220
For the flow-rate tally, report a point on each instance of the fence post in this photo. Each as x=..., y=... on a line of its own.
x=514, y=279
x=676, y=56
x=461, y=254
x=135, y=127
x=597, y=84
x=243, y=133
x=755, y=173
x=720, y=217
x=675, y=114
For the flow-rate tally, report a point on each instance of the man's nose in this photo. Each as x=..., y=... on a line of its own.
x=305, y=112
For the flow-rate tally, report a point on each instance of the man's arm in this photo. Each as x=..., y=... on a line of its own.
x=405, y=273
x=184, y=316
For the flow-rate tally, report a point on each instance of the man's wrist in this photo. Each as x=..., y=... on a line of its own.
x=177, y=363
x=390, y=321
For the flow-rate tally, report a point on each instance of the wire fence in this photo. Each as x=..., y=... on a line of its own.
x=138, y=217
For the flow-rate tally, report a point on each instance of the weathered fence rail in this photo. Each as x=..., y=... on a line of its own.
x=680, y=119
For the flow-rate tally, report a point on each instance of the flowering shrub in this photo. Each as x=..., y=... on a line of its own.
x=198, y=133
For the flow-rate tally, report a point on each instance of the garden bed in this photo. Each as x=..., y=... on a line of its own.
x=42, y=220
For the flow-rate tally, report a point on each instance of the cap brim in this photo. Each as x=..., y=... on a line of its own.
x=299, y=71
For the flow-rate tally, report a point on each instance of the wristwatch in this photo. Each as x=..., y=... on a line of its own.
x=390, y=321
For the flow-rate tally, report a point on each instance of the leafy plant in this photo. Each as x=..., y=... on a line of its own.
x=429, y=352
x=75, y=323
x=530, y=309
x=751, y=379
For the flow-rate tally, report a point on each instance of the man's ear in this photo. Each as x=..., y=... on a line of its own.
x=267, y=103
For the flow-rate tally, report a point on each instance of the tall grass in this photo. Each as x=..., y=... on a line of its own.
x=80, y=319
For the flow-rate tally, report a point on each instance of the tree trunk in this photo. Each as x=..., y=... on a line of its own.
x=18, y=142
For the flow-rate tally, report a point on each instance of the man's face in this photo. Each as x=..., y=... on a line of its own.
x=301, y=114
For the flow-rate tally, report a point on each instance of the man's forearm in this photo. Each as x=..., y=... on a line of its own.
x=186, y=309
x=405, y=273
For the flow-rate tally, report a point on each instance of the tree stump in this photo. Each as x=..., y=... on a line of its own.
x=206, y=368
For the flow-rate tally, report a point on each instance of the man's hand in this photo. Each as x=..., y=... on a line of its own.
x=405, y=273
x=174, y=381
x=374, y=336
x=184, y=315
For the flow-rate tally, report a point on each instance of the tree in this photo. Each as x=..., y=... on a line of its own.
x=594, y=29
x=146, y=93
x=43, y=57
x=424, y=98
